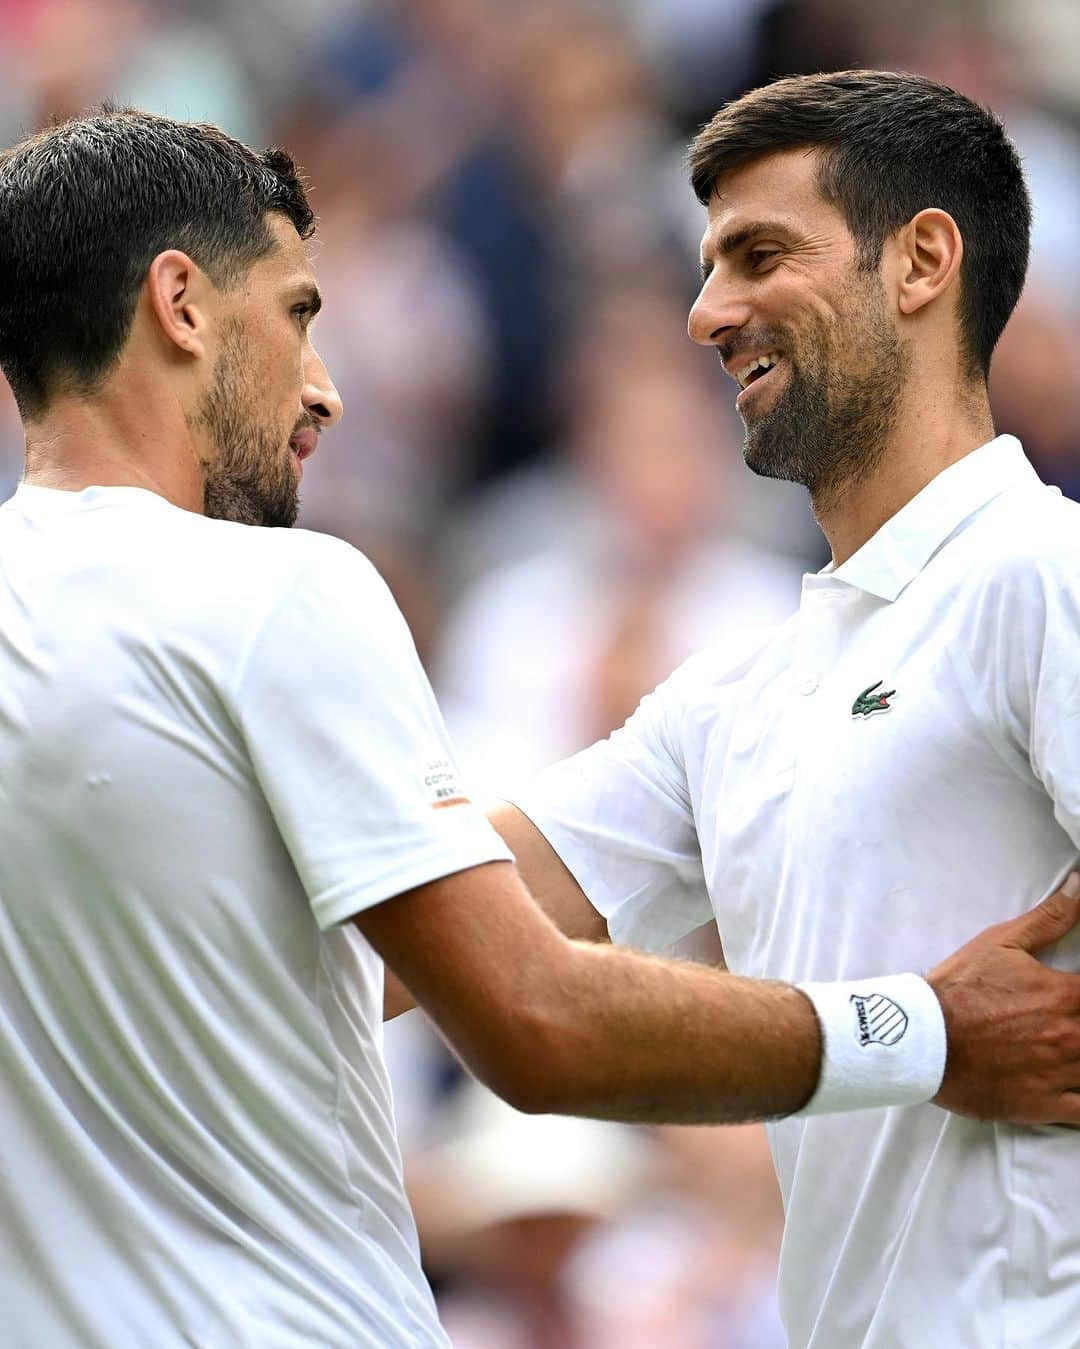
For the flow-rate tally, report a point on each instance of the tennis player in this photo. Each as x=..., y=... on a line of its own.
x=828, y=795
x=227, y=792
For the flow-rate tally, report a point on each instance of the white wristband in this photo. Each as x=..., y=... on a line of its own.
x=883, y=1043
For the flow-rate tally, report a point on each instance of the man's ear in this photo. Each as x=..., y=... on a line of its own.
x=930, y=250
x=179, y=290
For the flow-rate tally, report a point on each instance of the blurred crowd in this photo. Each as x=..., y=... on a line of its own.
x=548, y=473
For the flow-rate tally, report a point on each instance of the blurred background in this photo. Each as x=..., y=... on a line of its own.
x=549, y=474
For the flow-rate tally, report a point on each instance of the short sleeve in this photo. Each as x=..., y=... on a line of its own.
x=619, y=815
x=1043, y=684
x=348, y=745
x=1026, y=669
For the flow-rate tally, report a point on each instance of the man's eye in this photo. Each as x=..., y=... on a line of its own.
x=757, y=256
x=303, y=313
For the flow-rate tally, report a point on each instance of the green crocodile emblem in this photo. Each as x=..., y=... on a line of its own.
x=870, y=701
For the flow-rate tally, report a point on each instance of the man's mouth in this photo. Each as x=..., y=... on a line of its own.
x=754, y=372
x=303, y=442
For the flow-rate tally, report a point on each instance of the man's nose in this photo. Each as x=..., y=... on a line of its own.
x=718, y=310
x=319, y=396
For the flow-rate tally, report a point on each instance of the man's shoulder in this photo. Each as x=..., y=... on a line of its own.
x=1040, y=518
x=234, y=584
x=725, y=664
x=269, y=561
x=1028, y=535
x=1021, y=569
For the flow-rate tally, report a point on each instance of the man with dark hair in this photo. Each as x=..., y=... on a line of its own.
x=85, y=209
x=820, y=793
x=228, y=791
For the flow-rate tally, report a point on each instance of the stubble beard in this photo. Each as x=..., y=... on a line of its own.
x=249, y=477
x=831, y=427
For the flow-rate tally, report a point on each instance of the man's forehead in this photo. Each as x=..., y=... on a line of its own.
x=289, y=255
x=779, y=189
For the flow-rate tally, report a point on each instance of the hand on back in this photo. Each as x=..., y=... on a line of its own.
x=1013, y=1023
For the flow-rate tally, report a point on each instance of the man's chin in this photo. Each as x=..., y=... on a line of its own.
x=767, y=450
x=769, y=462
x=280, y=514
x=226, y=502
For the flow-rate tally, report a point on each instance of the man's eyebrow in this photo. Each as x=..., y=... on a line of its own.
x=732, y=241
x=310, y=297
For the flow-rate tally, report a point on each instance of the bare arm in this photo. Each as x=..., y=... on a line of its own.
x=549, y=883
x=581, y=1028
x=553, y=887
x=578, y=1028
x=546, y=876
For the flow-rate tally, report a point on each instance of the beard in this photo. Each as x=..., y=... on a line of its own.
x=249, y=477
x=831, y=426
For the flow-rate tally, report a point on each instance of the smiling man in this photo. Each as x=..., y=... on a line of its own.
x=820, y=793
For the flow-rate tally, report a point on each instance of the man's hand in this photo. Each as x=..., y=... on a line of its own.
x=1013, y=1024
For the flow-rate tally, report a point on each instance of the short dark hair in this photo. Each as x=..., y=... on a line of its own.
x=892, y=145
x=85, y=207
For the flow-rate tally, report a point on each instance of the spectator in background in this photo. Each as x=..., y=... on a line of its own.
x=550, y=652
x=1036, y=388
x=551, y=1233
x=507, y=1202
x=11, y=443
x=414, y=351
x=435, y=70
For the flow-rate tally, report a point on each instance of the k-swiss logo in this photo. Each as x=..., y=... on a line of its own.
x=881, y=1021
x=870, y=701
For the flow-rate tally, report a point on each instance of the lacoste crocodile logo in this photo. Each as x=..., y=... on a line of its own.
x=870, y=701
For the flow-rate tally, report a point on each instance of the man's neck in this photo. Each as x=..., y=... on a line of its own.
x=926, y=441
x=86, y=443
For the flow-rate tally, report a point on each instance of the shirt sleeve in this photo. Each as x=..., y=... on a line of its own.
x=1049, y=699
x=348, y=745
x=1029, y=673
x=619, y=815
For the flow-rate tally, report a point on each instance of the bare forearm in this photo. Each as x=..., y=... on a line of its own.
x=634, y=1038
x=546, y=876
x=552, y=887
x=584, y=1028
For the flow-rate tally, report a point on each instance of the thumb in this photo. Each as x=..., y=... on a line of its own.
x=1047, y=922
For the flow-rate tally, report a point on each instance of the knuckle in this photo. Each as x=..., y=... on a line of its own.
x=1057, y=1038
x=996, y=933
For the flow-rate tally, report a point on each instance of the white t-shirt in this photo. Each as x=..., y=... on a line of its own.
x=216, y=745
x=833, y=843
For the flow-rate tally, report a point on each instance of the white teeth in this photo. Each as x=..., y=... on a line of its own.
x=759, y=363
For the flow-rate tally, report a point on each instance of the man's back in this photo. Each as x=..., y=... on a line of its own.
x=196, y=1122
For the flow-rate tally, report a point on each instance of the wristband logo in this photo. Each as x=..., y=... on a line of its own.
x=880, y=1020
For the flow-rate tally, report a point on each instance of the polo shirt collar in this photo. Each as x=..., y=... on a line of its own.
x=895, y=555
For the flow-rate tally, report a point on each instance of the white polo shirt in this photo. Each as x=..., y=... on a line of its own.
x=216, y=746
x=837, y=837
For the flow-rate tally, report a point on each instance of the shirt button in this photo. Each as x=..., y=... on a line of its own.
x=809, y=685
